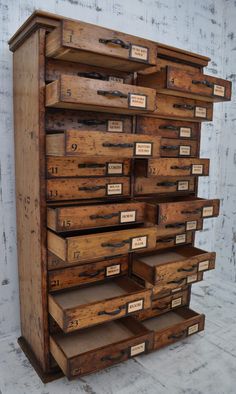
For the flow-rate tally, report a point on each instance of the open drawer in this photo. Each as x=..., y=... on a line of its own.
x=174, y=325
x=95, y=348
x=85, y=248
x=84, y=307
x=82, y=42
x=98, y=143
x=171, y=167
x=144, y=186
x=175, y=265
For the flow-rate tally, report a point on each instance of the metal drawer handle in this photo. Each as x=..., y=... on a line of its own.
x=192, y=212
x=93, y=75
x=92, y=122
x=165, y=240
x=187, y=269
x=90, y=274
x=170, y=147
x=108, y=216
x=184, y=106
x=180, y=168
x=115, y=245
x=111, y=358
x=117, y=145
x=177, y=281
x=169, y=127
x=115, y=93
x=91, y=165
x=177, y=336
x=204, y=82
x=176, y=225
x=115, y=41
x=166, y=184
x=113, y=313
x=162, y=308
x=92, y=188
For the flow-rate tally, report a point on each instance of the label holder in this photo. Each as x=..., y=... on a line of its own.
x=108, y=126
x=134, y=106
x=136, y=58
x=207, y=216
x=114, y=194
x=132, y=302
x=140, y=236
x=111, y=266
x=185, y=189
x=184, y=235
x=197, y=173
x=135, y=149
x=179, y=152
x=181, y=131
x=135, y=216
x=116, y=173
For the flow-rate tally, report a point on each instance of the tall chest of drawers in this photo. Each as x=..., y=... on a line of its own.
x=107, y=138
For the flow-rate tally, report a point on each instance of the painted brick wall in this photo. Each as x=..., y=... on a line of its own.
x=203, y=26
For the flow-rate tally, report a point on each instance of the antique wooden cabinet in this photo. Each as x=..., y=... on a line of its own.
x=107, y=136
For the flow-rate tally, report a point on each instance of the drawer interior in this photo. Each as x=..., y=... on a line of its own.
x=169, y=319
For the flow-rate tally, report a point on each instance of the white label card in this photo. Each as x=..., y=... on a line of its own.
x=113, y=270
x=115, y=168
x=135, y=306
x=115, y=126
x=191, y=225
x=181, y=238
x=183, y=185
x=127, y=216
x=137, y=100
x=197, y=169
x=112, y=78
x=184, y=150
x=185, y=132
x=192, y=278
x=200, y=112
x=176, y=302
x=143, y=149
x=137, y=349
x=203, y=265
x=139, y=52
x=219, y=90
x=139, y=242
x=114, y=188
x=207, y=211
x=192, y=329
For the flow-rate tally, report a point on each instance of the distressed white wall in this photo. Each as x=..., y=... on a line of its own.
x=203, y=26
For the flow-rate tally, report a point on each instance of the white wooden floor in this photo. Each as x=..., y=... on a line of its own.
x=202, y=364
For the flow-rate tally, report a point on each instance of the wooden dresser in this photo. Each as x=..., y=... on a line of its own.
x=107, y=135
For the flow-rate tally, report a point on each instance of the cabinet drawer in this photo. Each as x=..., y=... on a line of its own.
x=174, y=326
x=86, y=93
x=82, y=248
x=172, y=265
x=172, y=107
x=145, y=186
x=84, y=307
x=64, y=166
x=166, y=231
x=184, y=209
x=97, y=143
x=61, y=219
x=66, y=119
x=168, y=128
x=96, y=348
x=60, y=279
x=178, y=148
x=83, y=188
x=181, y=238
x=171, y=167
x=89, y=44
x=178, y=82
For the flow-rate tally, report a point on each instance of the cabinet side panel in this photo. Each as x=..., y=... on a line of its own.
x=28, y=65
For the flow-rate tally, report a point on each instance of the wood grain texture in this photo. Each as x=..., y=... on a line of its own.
x=168, y=185
x=171, y=167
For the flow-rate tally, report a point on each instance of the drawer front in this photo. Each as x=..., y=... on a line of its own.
x=172, y=229
x=89, y=44
x=186, y=210
x=64, y=219
x=159, y=185
x=175, y=285
x=62, y=119
x=60, y=279
x=172, y=167
x=168, y=128
x=59, y=167
x=83, y=93
x=173, y=240
x=83, y=188
x=178, y=148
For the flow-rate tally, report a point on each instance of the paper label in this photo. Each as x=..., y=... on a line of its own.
x=114, y=188
x=139, y=242
x=176, y=290
x=181, y=238
x=135, y=306
x=219, y=90
x=143, y=149
x=127, y=216
x=207, y=211
x=184, y=150
x=112, y=78
x=193, y=329
x=197, y=169
x=191, y=225
x=185, y=132
x=203, y=265
x=114, y=168
x=200, y=112
x=138, y=52
x=113, y=270
x=115, y=126
x=183, y=185
x=192, y=278
x=137, y=349
x=137, y=100
x=176, y=302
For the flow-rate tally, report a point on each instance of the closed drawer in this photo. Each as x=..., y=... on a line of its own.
x=60, y=279
x=176, y=81
x=182, y=237
x=66, y=119
x=86, y=188
x=174, y=326
x=183, y=209
x=160, y=184
x=171, y=167
x=86, y=93
x=82, y=248
x=96, y=143
x=84, y=307
x=62, y=219
x=172, y=107
x=178, y=148
x=95, y=348
x=168, y=128
x=85, y=43
x=172, y=265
